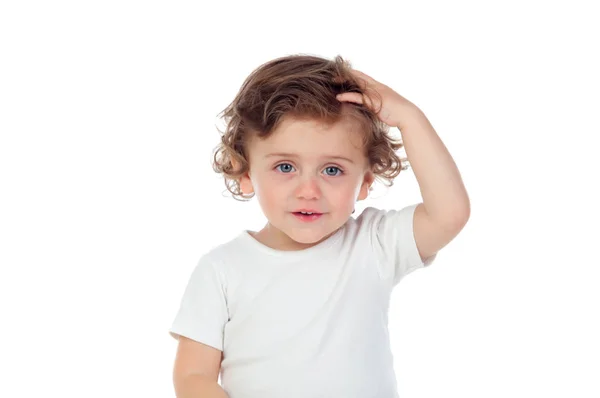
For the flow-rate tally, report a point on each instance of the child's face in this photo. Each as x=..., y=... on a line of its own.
x=304, y=166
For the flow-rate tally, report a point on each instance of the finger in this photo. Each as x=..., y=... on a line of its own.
x=361, y=75
x=350, y=97
x=356, y=98
x=359, y=79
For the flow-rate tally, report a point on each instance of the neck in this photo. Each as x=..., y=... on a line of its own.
x=276, y=239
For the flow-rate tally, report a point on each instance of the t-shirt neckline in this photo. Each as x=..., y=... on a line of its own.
x=292, y=254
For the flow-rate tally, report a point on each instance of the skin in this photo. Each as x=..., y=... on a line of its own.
x=299, y=166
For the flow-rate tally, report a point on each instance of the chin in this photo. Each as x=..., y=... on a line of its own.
x=308, y=237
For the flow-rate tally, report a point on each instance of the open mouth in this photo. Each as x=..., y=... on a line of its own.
x=307, y=215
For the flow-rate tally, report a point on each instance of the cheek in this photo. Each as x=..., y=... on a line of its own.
x=344, y=195
x=268, y=191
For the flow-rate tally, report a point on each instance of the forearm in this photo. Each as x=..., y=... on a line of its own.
x=444, y=195
x=198, y=386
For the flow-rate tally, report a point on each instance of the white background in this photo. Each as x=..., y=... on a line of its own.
x=108, y=119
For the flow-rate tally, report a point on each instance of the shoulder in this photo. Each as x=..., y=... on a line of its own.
x=385, y=227
x=369, y=214
x=222, y=253
x=361, y=229
x=213, y=268
x=373, y=217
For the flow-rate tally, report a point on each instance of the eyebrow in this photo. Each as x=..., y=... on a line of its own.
x=291, y=155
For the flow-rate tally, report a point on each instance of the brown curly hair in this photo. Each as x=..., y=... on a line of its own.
x=301, y=86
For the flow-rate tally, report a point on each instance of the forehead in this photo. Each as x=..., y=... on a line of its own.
x=311, y=138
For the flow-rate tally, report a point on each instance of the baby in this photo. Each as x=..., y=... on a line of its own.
x=299, y=308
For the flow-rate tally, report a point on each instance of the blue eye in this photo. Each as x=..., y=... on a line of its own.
x=285, y=167
x=333, y=171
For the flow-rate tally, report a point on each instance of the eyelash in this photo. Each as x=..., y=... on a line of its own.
x=340, y=171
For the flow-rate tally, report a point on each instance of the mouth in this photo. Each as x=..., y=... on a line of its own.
x=307, y=215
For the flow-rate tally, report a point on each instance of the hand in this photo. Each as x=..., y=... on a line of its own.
x=392, y=108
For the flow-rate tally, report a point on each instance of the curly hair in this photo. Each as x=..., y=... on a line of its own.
x=305, y=87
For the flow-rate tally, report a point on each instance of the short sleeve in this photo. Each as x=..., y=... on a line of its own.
x=392, y=238
x=202, y=313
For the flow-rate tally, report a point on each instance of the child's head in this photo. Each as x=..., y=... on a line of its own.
x=290, y=142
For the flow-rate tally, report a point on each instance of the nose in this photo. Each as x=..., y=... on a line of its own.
x=308, y=188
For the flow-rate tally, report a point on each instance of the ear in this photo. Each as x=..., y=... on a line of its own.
x=246, y=184
x=244, y=181
x=366, y=185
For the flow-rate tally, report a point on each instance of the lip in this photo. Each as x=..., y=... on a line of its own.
x=307, y=218
x=307, y=211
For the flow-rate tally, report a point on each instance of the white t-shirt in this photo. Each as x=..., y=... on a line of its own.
x=308, y=323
